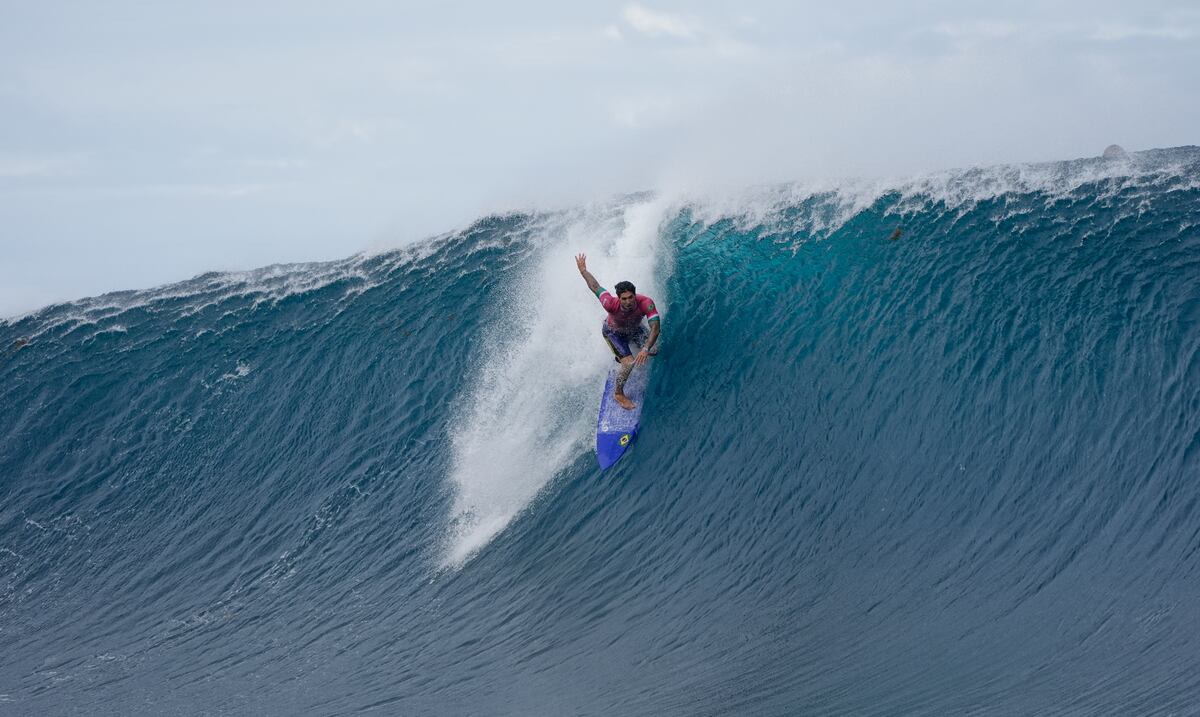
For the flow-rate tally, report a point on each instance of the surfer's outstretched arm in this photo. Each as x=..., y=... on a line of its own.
x=581, y=262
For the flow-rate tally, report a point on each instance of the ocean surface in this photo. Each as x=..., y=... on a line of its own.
x=927, y=446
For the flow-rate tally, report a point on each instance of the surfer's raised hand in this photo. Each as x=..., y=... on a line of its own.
x=581, y=262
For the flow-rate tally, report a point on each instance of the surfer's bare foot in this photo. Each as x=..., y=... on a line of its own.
x=623, y=400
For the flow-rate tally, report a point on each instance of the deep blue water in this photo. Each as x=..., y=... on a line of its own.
x=953, y=472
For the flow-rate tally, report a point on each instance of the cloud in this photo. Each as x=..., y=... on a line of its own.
x=274, y=163
x=28, y=167
x=980, y=29
x=654, y=24
x=1114, y=33
x=643, y=111
x=195, y=191
x=340, y=132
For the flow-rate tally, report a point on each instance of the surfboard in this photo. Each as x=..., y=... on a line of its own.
x=617, y=427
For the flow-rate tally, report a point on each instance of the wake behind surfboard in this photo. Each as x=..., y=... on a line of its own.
x=617, y=427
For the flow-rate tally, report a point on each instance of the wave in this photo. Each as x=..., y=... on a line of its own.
x=916, y=446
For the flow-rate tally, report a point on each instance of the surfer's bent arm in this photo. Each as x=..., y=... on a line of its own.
x=653, y=334
x=581, y=262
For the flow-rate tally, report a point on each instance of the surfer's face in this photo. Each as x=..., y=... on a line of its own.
x=628, y=300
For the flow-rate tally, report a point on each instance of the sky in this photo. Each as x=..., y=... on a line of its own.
x=147, y=142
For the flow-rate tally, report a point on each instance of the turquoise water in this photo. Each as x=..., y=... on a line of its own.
x=948, y=472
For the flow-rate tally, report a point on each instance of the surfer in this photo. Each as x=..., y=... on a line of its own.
x=624, y=325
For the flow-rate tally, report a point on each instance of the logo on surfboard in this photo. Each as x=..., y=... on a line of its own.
x=624, y=440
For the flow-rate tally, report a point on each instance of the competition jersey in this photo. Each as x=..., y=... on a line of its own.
x=643, y=308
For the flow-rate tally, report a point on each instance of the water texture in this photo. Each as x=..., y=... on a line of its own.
x=921, y=447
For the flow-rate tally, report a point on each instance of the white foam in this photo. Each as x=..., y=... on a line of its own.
x=267, y=284
x=531, y=409
x=955, y=190
x=240, y=371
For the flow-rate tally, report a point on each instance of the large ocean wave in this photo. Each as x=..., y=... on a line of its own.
x=925, y=446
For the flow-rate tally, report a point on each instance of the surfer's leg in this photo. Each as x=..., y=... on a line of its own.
x=615, y=342
x=619, y=385
x=619, y=343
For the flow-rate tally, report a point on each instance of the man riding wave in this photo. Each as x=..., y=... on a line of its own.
x=624, y=326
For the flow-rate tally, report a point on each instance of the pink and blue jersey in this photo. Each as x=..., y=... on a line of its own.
x=627, y=321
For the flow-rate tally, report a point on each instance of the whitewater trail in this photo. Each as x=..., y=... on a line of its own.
x=531, y=406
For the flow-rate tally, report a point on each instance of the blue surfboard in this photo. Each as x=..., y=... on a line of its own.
x=617, y=427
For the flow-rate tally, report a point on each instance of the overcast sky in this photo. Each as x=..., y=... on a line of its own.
x=145, y=142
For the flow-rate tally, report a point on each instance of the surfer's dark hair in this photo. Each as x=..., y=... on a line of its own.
x=623, y=286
